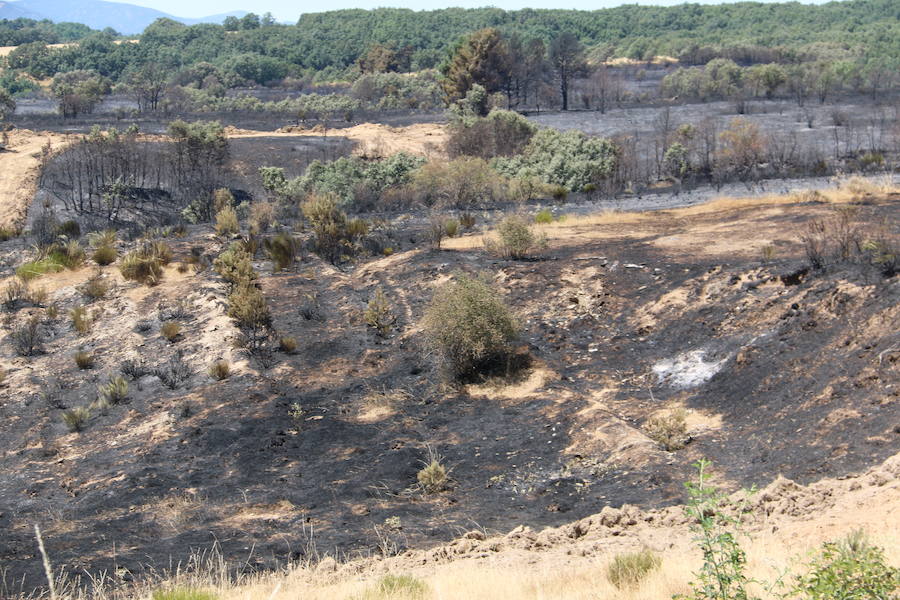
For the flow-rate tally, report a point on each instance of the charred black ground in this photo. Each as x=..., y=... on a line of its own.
x=806, y=387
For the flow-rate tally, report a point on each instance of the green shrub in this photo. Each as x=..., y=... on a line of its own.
x=629, y=569
x=723, y=573
x=433, y=476
x=515, y=239
x=561, y=192
x=329, y=225
x=569, y=159
x=282, y=250
x=343, y=178
x=227, y=222
x=70, y=255
x=849, y=569
x=297, y=414
x=471, y=327
x=234, y=266
x=676, y=161
x=145, y=264
x=451, y=227
x=220, y=370
x=36, y=268
x=543, y=217
x=76, y=418
x=378, y=314
x=84, y=360
x=467, y=220
x=247, y=306
x=81, y=320
x=170, y=330
x=142, y=267
x=105, y=255
x=669, y=430
x=115, y=391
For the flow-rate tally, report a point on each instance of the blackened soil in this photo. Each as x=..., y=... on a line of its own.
x=807, y=387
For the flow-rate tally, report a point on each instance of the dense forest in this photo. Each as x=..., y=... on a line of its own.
x=16, y=32
x=640, y=32
x=330, y=44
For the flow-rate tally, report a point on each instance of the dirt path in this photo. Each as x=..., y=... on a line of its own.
x=6, y=50
x=20, y=166
x=373, y=139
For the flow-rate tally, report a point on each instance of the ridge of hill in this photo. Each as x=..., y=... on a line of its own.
x=125, y=18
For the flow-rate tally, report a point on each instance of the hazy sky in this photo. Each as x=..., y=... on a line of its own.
x=289, y=10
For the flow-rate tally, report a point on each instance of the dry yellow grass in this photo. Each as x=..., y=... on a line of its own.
x=529, y=576
x=853, y=189
x=20, y=166
x=850, y=190
x=372, y=140
x=661, y=59
x=6, y=50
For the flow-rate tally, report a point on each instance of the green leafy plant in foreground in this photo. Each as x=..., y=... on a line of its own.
x=722, y=575
x=851, y=569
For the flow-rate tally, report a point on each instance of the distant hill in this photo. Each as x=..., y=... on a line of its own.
x=15, y=10
x=98, y=14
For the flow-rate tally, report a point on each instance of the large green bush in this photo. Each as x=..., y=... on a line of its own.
x=567, y=158
x=515, y=239
x=472, y=329
x=346, y=177
x=234, y=265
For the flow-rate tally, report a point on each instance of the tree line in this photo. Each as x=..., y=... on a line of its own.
x=333, y=45
x=15, y=32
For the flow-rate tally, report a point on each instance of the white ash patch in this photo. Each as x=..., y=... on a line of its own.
x=687, y=370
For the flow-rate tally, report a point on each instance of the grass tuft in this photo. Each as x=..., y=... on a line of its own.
x=630, y=569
